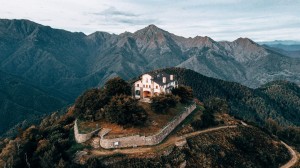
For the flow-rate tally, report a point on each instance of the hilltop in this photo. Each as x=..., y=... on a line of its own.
x=194, y=143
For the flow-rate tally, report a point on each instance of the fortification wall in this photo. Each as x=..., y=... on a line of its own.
x=138, y=140
x=80, y=138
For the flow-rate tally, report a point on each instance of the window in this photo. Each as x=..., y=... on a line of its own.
x=143, y=85
x=156, y=87
x=137, y=92
x=137, y=85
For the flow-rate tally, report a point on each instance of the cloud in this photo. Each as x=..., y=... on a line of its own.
x=113, y=16
x=138, y=21
x=112, y=11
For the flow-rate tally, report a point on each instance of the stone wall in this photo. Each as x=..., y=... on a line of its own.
x=80, y=138
x=138, y=140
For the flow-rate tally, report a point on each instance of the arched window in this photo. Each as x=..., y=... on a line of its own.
x=137, y=92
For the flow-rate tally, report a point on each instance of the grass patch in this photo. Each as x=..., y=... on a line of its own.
x=85, y=127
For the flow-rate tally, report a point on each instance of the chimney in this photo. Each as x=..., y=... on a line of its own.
x=164, y=80
x=171, y=77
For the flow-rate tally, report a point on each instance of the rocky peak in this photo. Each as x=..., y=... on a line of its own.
x=207, y=41
x=245, y=50
x=152, y=37
x=198, y=41
x=245, y=41
x=21, y=28
x=150, y=30
x=100, y=37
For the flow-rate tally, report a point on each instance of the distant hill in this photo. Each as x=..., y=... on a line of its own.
x=20, y=101
x=282, y=42
x=288, y=48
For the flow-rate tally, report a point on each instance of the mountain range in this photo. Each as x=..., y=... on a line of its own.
x=289, y=48
x=65, y=63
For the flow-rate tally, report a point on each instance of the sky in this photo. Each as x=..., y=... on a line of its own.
x=260, y=20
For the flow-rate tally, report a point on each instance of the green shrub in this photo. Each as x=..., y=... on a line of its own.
x=185, y=93
x=90, y=102
x=117, y=86
x=124, y=110
x=215, y=104
x=162, y=102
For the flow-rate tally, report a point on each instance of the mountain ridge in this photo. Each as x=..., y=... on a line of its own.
x=70, y=62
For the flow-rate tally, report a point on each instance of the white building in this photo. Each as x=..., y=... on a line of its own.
x=154, y=84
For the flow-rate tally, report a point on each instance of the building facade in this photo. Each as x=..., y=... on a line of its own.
x=154, y=84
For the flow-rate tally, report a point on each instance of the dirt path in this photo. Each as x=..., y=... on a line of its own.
x=170, y=141
x=294, y=159
x=173, y=139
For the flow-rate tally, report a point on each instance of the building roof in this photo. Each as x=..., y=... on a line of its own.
x=158, y=78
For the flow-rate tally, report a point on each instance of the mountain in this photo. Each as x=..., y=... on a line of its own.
x=67, y=63
x=20, y=101
x=71, y=62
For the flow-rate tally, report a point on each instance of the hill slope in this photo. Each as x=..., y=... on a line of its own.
x=276, y=100
x=22, y=101
x=51, y=144
x=239, y=147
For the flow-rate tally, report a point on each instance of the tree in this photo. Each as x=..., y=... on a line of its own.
x=212, y=105
x=207, y=120
x=90, y=102
x=117, y=86
x=162, y=102
x=185, y=93
x=124, y=110
x=215, y=104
